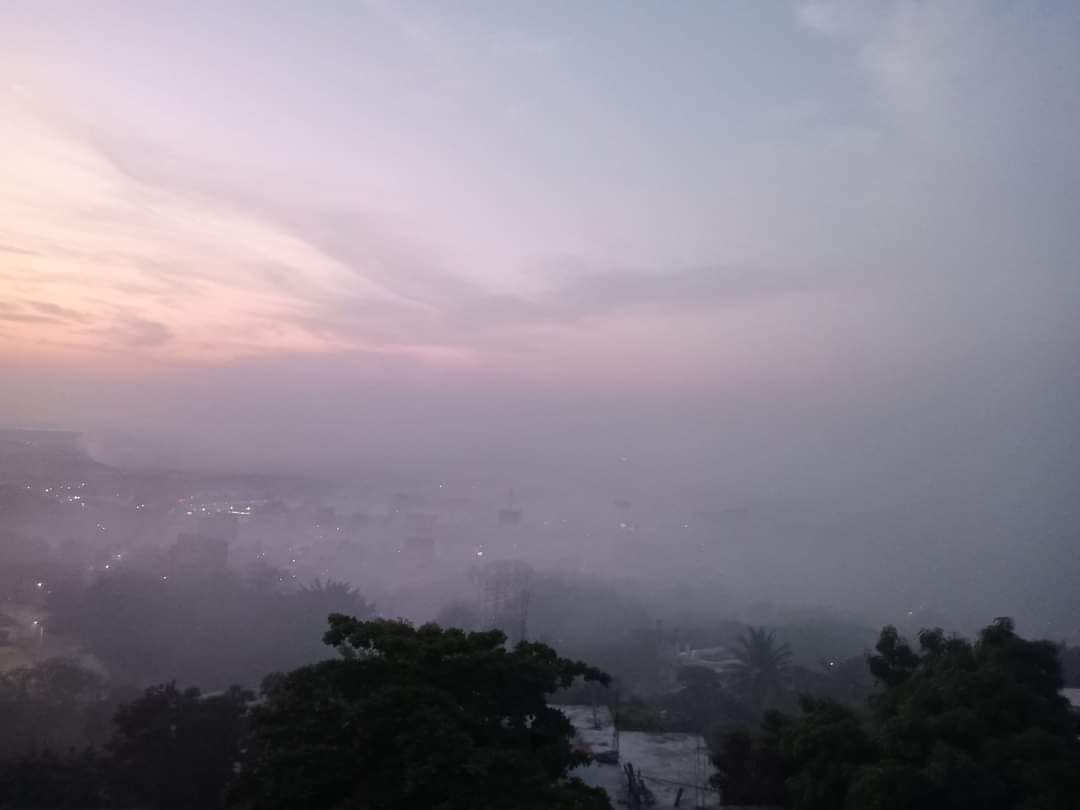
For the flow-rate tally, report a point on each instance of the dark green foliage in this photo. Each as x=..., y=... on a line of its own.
x=303, y=615
x=823, y=749
x=417, y=717
x=55, y=704
x=704, y=704
x=895, y=661
x=171, y=748
x=640, y=660
x=847, y=680
x=814, y=640
x=751, y=769
x=764, y=670
x=52, y=782
x=958, y=725
x=980, y=724
x=215, y=631
x=178, y=748
x=459, y=614
x=700, y=704
x=639, y=714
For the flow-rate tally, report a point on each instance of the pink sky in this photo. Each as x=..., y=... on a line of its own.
x=525, y=202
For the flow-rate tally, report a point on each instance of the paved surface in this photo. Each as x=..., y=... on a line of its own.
x=666, y=761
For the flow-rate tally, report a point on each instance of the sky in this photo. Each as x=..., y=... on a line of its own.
x=472, y=219
x=820, y=257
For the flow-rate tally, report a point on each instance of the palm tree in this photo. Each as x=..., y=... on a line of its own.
x=304, y=619
x=763, y=669
x=332, y=596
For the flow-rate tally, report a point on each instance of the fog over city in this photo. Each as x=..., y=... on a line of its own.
x=484, y=405
x=759, y=311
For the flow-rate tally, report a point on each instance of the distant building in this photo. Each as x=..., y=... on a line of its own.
x=719, y=659
x=420, y=549
x=9, y=630
x=402, y=502
x=223, y=525
x=197, y=555
x=21, y=623
x=509, y=517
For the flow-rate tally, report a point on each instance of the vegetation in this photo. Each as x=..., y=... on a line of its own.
x=214, y=631
x=384, y=714
x=763, y=667
x=178, y=748
x=418, y=717
x=404, y=717
x=58, y=704
x=957, y=725
x=170, y=748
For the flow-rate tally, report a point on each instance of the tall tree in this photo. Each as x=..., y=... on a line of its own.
x=178, y=748
x=957, y=725
x=414, y=717
x=704, y=704
x=763, y=667
x=973, y=724
x=303, y=614
x=751, y=769
x=48, y=705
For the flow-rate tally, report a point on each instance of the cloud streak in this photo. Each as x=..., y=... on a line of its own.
x=204, y=270
x=821, y=223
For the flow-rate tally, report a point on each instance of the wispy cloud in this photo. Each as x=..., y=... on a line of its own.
x=121, y=242
x=165, y=259
x=140, y=333
x=57, y=311
x=83, y=236
x=16, y=314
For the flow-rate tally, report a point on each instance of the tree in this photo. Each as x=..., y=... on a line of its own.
x=822, y=751
x=703, y=703
x=459, y=614
x=969, y=725
x=414, y=717
x=763, y=667
x=171, y=748
x=178, y=748
x=957, y=725
x=48, y=705
x=51, y=782
x=216, y=631
x=303, y=617
x=751, y=769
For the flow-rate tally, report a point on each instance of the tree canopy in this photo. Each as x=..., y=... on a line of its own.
x=413, y=717
x=763, y=667
x=177, y=748
x=57, y=703
x=170, y=748
x=214, y=631
x=958, y=724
